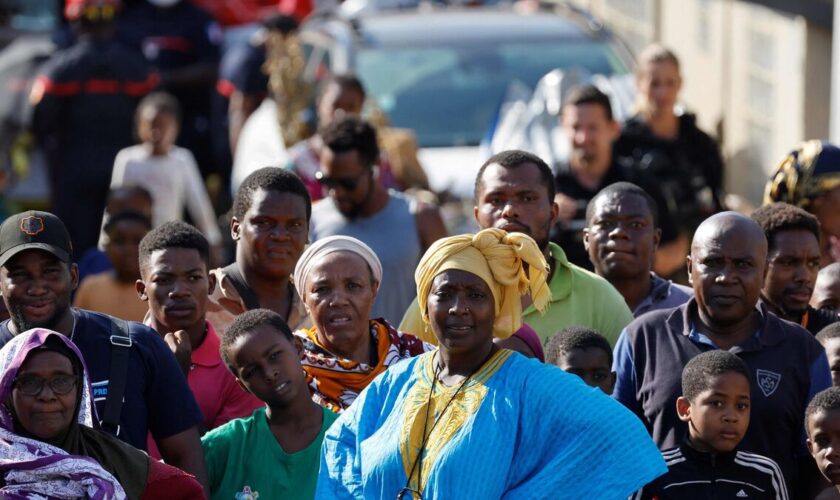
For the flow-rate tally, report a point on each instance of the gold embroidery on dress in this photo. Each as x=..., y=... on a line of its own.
x=465, y=404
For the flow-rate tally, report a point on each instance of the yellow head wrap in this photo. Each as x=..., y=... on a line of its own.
x=498, y=258
x=808, y=171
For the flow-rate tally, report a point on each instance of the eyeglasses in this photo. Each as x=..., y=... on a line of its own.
x=347, y=183
x=32, y=385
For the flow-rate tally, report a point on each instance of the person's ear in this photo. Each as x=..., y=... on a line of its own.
x=298, y=345
x=243, y=386
x=657, y=238
x=238, y=380
x=375, y=287
x=211, y=283
x=688, y=268
x=586, y=239
x=235, y=228
x=140, y=287
x=613, y=378
x=683, y=409
x=475, y=212
x=615, y=130
x=74, y=275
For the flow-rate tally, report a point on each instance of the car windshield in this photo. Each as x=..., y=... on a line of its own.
x=29, y=15
x=449, y=95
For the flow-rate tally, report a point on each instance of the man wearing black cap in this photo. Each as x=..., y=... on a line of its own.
x=137, y=385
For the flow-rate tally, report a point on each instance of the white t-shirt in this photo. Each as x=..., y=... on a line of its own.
x=174, y=183
x=260, y=144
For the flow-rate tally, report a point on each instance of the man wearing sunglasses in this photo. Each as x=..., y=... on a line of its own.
x=397, y=227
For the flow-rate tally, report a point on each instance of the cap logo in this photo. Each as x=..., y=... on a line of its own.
x=32, y=225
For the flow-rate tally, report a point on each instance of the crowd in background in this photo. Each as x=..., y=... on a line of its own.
x=611, y=330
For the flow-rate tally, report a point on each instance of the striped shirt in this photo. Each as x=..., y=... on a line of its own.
x=695, y=475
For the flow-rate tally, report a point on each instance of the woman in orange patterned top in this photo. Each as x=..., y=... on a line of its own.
x=338, y=278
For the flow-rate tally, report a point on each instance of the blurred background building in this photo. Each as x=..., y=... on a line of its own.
x=758, y=73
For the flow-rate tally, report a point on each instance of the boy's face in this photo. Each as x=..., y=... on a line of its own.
x=123, y=241
x=719, y=416
x=824, y=443
x=157, y=129
x=267, y=365
x=176, y=284
x=592, y=365
x=826, y=292
x=832, y=351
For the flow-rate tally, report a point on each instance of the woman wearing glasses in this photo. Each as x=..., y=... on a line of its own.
x=48, y=448
x=471, y=420
x=338, y=278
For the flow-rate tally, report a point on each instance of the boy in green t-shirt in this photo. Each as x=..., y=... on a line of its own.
x=274, y=453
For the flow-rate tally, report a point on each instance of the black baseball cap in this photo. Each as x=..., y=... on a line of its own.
x=34, y=230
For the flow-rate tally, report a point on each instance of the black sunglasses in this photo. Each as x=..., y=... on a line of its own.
x=348, y=184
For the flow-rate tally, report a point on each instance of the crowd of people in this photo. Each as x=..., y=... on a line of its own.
x=610, y=331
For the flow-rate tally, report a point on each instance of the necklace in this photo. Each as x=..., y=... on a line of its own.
x=418, y=461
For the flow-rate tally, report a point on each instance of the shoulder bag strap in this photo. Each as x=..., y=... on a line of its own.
x=121, y=343
x=245, y=293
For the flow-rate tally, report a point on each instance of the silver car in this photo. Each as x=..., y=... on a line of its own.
x=444, y=73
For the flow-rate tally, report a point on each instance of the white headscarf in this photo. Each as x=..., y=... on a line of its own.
x=334, y=244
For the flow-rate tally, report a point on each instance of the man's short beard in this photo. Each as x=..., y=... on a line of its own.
x=22, y=324
x=795, y=314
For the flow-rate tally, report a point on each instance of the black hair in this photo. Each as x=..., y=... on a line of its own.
x=699, y=371
x=514, y=158
x=281, y=23
x=824, y=401
x=162, y=102
x=831, y=331
x=126, y=215
x=575, y=337
x=131, y=188
x=269, y=179
x=777, y=217
x=351, y=133
x=173, y=234
x=589, y=94
x=347, y=81
x=249, y=321
x=622, y=188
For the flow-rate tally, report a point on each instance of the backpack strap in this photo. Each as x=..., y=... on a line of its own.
x=245, y=293
x=121, y=343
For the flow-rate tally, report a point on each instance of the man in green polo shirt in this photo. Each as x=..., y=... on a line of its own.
x=514, y=191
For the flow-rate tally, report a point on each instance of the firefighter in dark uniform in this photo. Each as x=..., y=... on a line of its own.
x=84, y=99
x=181, y=42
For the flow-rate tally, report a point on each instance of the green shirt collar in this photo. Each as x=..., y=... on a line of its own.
x=561, y=281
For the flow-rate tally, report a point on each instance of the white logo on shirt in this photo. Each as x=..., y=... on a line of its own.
x=741, y=494
x=247, y=494
x=768, y=381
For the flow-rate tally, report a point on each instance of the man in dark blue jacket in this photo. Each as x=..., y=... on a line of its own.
x=788, y=366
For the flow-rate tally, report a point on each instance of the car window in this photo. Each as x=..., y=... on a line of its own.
x=449, y=95
x=29, y=15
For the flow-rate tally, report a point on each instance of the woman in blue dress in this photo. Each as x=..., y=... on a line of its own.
x=471, y=420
